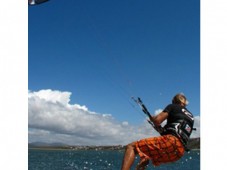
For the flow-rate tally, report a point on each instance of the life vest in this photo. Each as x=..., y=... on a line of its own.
x=181, y=129
x=180, y=125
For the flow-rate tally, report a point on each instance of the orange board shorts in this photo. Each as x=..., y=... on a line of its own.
x=162, y=149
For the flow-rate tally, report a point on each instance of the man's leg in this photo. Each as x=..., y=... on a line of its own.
x=129, y=156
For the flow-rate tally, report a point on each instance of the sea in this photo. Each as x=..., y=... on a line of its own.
x=99, y=160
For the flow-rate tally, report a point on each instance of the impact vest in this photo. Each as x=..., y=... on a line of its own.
x=179, y=122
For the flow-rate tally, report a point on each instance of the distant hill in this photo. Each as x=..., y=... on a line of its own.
x=194, y=143
x=43, y=144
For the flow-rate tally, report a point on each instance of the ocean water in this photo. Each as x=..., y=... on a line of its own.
x=98, y=160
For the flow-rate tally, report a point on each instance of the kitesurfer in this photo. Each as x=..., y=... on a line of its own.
x=168, y=147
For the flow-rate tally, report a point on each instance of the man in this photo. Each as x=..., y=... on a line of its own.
x=168, y=147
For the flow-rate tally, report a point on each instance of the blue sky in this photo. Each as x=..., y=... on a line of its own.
x=104, y=52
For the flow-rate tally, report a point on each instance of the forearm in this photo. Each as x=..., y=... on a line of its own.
x=158, y=119
x=155, y=120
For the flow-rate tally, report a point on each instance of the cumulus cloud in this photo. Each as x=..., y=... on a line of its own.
x=196, y=133
x=52, y=119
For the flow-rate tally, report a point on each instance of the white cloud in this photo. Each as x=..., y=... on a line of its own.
x=196, y=133
x=157, y=111
x=52, y=119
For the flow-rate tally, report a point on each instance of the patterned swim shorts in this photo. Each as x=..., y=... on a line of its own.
x=162, y=149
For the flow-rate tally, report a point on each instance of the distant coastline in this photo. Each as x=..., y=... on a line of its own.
x=194, y=143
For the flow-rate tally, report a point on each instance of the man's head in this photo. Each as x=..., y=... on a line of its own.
x=180, y=99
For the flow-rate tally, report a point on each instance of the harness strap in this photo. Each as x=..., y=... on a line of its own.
x=181, y=129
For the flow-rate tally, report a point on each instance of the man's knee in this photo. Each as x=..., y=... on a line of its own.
x=131, y=146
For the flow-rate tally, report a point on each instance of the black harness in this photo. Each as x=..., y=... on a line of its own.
x=181, y=129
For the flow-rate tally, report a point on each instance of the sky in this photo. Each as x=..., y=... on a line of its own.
x=86, y=59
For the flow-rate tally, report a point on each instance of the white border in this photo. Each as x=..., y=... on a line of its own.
x=14, y=84
x=213, y=84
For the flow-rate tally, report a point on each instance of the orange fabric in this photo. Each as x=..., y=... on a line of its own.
x=162, y=149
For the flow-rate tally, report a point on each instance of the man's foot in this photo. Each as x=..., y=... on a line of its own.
x=142, y=164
